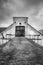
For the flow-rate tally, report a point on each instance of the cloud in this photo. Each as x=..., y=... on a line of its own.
x=30, y=8
x=33, y=2
x=9, y=8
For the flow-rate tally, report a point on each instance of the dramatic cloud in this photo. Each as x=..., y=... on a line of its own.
x=31, y=8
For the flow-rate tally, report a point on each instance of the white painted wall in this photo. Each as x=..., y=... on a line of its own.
x=22, y=20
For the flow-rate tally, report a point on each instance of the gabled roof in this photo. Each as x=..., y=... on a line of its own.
x=41, y=31
x=34, y=29
x=2, y=29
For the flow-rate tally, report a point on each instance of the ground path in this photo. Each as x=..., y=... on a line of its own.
x=21, y=51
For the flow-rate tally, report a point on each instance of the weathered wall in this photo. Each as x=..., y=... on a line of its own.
x=21, y=20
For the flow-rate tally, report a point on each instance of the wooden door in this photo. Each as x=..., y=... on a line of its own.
x=20, y=31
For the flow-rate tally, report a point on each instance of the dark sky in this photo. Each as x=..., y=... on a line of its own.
x=31, y=8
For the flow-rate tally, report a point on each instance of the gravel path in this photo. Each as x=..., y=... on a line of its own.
x=20, y=51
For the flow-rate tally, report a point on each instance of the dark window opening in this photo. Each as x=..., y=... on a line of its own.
x=20, y=31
